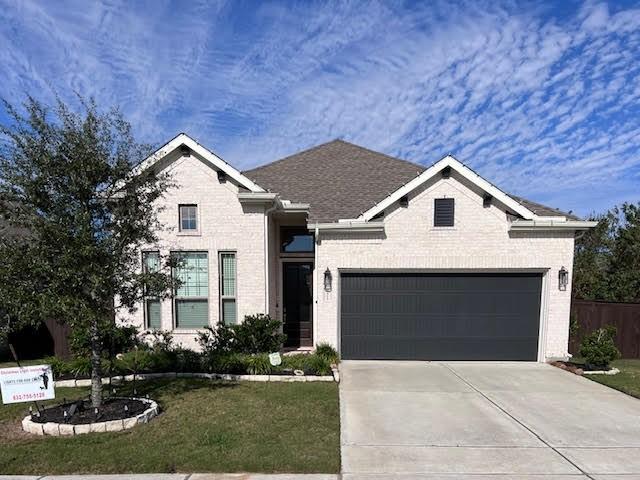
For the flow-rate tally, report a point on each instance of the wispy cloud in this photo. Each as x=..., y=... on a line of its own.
x=543, y=102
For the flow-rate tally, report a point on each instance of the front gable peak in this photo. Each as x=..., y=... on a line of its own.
x=187, y=144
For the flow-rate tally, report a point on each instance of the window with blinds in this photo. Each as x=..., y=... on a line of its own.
x=191, y=298
x=188, y=218
x=443, y=212
x=228, y=282
x=152, y=311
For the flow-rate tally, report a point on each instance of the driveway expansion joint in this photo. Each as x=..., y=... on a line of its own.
x=533, y=432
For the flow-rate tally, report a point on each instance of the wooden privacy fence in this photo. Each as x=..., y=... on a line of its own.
x=593, y=315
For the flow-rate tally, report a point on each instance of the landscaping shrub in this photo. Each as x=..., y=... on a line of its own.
x=258, y=334
x=79, y=367
x=327, y=351
x=187, y=360
x=599, y=348
x=58, y=366
x=317, y=365
x=216, y=341
x=294, y=362
x=234, y=363
x=159, y=340
x=135, y=361
x=258, y=364
x=115, y=339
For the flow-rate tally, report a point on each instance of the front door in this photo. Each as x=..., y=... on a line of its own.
x=298, y=303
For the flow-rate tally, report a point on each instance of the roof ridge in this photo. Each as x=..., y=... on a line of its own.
x=338, y=140
x=306, y=150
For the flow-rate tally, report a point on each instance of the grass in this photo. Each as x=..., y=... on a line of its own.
x=627, y=381
x=205, y=427
x=11, y=363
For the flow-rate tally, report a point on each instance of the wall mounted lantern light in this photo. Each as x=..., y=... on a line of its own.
x=563, y=279
x=327, y=280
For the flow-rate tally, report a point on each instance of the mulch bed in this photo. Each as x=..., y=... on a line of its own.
x=81, y=412
x=576, y=368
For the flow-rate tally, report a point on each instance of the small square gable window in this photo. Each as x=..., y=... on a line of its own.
x=443, y=212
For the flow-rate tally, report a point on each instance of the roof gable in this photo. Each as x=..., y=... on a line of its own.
x=214, y=161
x=449, y=162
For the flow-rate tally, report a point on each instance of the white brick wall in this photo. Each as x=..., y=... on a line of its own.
x=479, y=241
x=224, y=225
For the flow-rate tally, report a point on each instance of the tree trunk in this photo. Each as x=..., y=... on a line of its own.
x=96, y=366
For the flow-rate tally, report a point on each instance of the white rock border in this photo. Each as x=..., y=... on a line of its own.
x=65, y=429
x=210, y=376
x=613, y=371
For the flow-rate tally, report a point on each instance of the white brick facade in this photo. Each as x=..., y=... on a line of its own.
x=224, y=225
x=479, y=241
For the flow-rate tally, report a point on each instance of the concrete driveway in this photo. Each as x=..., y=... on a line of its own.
x=487, y=420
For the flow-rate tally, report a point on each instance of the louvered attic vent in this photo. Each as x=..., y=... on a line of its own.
x=443, y=212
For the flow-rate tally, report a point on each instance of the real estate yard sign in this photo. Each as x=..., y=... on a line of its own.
x=26, y=384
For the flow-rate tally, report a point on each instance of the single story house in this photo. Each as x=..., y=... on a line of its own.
x=380, y=257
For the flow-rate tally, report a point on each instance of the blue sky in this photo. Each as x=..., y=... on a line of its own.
x=544, y=102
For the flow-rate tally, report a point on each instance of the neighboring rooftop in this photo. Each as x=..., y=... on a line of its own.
x=342, y=180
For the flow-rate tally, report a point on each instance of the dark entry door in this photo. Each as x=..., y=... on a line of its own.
x=456, y=316
x=298, y=303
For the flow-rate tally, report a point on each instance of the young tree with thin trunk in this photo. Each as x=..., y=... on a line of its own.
x=74, y=214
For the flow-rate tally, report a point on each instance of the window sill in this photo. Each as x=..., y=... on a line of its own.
x=187, y=331
x=189, y=234
x=437, y=229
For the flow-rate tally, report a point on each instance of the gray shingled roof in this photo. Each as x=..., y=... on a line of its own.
x=341, y=180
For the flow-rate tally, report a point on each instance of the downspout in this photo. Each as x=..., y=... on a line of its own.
x=266, y=256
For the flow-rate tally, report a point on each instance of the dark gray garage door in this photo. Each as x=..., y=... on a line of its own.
x=440, y=316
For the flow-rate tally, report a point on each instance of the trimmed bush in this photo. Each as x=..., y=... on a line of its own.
x=599, y=348
x=258, y=334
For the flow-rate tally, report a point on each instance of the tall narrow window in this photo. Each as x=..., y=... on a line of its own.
x=443, y=212
x=188, y=218
x=152, y=313
x=191, y=301
x=228, y=282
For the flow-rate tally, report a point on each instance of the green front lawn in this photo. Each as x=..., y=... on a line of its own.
x=627, y=381
x=205, y=426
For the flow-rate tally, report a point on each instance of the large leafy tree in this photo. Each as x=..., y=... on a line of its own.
x=607, y=258
x=75, y=213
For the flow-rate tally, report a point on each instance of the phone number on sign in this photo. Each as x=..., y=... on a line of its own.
x=28, y=396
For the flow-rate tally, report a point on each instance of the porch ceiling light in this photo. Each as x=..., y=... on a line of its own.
x=327, y=280
x=563, y=279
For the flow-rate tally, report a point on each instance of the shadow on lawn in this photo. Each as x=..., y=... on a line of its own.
x=156, y=389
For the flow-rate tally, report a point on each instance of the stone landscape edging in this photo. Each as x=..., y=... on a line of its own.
x=65, y=429
x=86, y=382
x=613, y=371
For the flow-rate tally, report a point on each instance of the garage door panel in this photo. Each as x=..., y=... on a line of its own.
x=440, y=316
x=436, y=325
x=404, y=348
